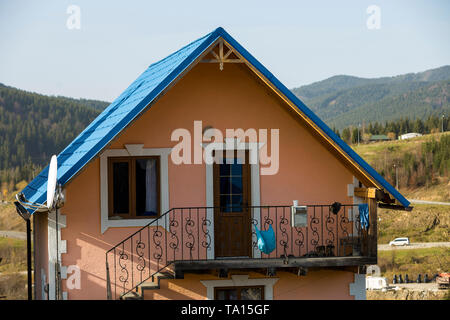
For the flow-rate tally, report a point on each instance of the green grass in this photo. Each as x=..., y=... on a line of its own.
x=14, y=255
x=13, y=286
x=425, y=223
x=372, y=151
x=421, y=174
x=414, y=262
x=14, y=261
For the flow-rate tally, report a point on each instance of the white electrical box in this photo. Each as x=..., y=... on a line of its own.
x=299, y=215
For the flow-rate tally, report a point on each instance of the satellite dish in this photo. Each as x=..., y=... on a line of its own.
x=51, y=183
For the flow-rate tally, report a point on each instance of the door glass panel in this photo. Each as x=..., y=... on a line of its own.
x=236, y=201
x=236, y=185
x=231, y=186
x=225, y=203
x=225, y=186
x=224, y=169
x=236, y=170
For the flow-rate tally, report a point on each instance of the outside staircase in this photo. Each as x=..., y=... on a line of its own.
x=154, y=283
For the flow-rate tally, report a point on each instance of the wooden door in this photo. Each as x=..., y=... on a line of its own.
x=232, y=215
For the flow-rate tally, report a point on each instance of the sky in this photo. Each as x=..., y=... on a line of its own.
x=300, y=42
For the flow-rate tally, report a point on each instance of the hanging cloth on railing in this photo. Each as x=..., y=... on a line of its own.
x=266, y=239
x=364, y=215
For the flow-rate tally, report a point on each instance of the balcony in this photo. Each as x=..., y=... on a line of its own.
x=187, y=239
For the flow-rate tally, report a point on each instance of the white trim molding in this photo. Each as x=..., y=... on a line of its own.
x=232, y=144
x=352, y=212
x=56, y=247
x=132, y=150
x=43, y=284
x=358, y=287
x=240, y=281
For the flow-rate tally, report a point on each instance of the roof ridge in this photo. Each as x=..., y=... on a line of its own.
x=176, y=52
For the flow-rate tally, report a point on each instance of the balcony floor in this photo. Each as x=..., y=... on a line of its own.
x=249, y=263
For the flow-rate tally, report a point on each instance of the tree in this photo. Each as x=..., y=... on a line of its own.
x=355, y=135
x=391, y=135
x=346, y=135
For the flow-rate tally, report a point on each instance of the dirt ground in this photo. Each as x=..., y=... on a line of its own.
x=409, y=291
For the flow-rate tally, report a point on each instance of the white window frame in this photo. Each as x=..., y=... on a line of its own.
x=240, y=281
x=235, y=145
x=132, y=150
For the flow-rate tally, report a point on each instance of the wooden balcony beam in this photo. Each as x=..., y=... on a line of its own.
x=369, y=193
x=246, y=263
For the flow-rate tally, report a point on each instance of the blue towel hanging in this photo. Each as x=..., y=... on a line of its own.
x=266, y=240
x=364, y=215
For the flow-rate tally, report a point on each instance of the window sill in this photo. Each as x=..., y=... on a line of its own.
x=126, y=223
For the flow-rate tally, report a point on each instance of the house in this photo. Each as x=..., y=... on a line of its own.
x=166, y=191
x=409, y=135
x=376, y=283
x=378, y=137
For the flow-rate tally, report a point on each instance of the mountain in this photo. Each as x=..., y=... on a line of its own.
x=35, y=126
x=346, y=100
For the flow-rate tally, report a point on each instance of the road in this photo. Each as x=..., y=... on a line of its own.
x=13, y=234
x=429, y=202
x=419, y=245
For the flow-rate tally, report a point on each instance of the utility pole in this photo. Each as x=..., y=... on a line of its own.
x=396, y=176
x=359, y=128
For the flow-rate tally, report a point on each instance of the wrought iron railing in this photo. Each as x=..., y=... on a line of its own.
x=186, y=234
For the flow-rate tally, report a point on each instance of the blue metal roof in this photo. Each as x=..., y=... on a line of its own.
x=132, y=102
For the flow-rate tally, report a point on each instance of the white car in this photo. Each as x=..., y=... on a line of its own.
x=399, y=242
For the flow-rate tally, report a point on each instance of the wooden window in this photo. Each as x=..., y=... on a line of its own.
x=239, y=293
x=133, y=187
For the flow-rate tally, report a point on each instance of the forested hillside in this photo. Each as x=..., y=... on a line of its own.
x=34, y=126
x=342, y=101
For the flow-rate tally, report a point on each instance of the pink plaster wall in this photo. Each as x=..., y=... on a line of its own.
x=232, y=98
x=316, y=285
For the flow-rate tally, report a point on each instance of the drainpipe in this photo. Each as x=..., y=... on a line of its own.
x=26, y=216
x=30, y=294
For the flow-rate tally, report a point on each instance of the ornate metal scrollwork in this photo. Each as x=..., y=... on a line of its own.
x=314, y=241
x=285, y=237
x=175, y=241
x=124, y=274
x=140, y=246
x=300, y=240
x=254, y=223
x=329, y=221
x=343, y=222
x=159, y=245
x=206, y=243
x=190, y=242
x=157, y=237
x=267, y=221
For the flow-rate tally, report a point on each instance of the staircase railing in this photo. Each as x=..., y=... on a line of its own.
x=186, y=234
